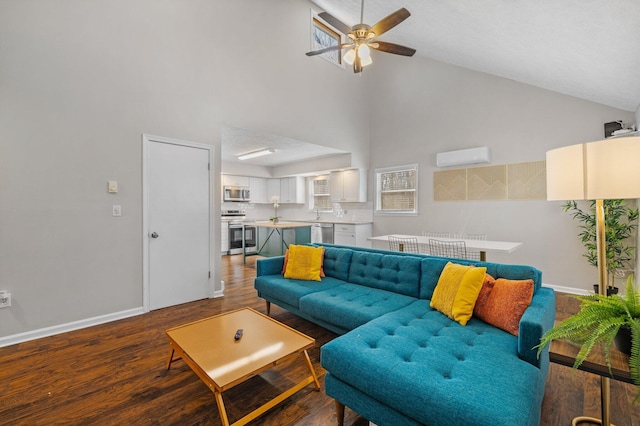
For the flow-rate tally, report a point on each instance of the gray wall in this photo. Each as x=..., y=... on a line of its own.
x=81, y=81
x=426, y=107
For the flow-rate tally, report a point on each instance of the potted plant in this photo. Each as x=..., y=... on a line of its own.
x=275, y=200
x=621, y=222
x=599, y=321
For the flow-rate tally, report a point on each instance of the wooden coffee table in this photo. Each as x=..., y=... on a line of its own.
x=209, y=348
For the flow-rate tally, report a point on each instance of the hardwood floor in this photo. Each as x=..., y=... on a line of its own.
x=115, y=374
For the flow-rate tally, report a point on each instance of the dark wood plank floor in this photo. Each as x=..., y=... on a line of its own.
x=115, y=374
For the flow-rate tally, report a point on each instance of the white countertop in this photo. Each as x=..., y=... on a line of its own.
x=342, y=221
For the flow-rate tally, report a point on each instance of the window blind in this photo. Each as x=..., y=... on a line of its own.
x=396, y=190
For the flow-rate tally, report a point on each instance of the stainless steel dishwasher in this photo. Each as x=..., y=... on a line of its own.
x=322, y=233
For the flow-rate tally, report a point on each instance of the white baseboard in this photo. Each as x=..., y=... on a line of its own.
x=70, y=326
x=89, y=322
x=570, y=290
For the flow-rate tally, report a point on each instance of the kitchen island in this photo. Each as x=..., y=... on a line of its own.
x=273, y=239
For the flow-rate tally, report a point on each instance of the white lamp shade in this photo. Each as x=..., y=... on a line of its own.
x=364, y=51
x=607, y=169
x=350, y=56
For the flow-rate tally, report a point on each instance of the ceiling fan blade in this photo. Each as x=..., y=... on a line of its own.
x=335, y=23
x=327, y=49
x=385, y=24
x=396, y=49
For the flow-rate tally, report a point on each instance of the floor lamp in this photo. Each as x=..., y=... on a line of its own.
x=603, y=170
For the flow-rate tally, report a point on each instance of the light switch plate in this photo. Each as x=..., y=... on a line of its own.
x=117, y=210
x=112, y=186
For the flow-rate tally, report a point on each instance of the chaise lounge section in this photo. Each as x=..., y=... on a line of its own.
x=400, y=362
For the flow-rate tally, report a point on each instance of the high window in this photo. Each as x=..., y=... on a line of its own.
x=323, y=36
x=397, y=190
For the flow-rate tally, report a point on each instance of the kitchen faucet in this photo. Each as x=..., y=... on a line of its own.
x=317, y=209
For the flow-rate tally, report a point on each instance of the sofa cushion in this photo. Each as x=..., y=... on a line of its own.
x=398, y=274
x=456, y=375
x=276, y=287
x=351, y=305
x=336, y=262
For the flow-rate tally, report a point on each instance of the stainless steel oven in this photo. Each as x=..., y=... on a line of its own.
x=235, y=238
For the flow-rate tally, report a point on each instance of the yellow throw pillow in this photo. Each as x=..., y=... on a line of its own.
x=457, y=290
x=304, y=263
x=286, y=260
x=467, y=295
x=445, y=292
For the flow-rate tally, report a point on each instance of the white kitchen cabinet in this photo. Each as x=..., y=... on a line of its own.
x=352, y=234
x=233, y=180
x=258, y=188
x=224, y=237
x=273, y=188
x=349, y=186
x=292, y=190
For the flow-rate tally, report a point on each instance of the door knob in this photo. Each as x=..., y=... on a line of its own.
x=154, y=235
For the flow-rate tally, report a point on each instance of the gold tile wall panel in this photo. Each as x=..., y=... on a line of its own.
x=487, y=183
x=527, y=181
x=450, y=185
x=519, y=181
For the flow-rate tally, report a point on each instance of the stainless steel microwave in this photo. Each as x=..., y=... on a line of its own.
x=236, y=193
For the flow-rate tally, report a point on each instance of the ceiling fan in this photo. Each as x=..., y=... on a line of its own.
x=362, y=38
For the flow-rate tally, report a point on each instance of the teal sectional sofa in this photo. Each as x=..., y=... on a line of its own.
x=398, y=361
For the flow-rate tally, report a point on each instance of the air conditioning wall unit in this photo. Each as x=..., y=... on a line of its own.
x=463, y=156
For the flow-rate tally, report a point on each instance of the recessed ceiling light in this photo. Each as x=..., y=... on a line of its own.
x=258, y=153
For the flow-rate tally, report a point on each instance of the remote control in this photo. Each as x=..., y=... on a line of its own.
x=238, y=334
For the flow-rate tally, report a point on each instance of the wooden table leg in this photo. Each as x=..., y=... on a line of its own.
x=313, y=373
x=221, y=409
x=170, y=360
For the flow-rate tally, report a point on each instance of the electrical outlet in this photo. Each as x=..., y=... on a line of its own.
x=5, y=299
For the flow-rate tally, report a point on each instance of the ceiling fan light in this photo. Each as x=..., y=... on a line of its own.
x=349, y=56
x=364, y=52
x=366, y=61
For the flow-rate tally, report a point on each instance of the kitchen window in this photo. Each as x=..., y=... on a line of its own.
x=396, y=190
x=320, y=193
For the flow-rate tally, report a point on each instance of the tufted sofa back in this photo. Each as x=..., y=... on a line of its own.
x=399, y=274
x=432, y=267
x=337, y=262
x=407, y=273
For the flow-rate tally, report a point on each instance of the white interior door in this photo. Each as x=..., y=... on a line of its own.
x=178, y=222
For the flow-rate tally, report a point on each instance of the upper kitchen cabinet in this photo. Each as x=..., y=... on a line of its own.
x=292, y=190
x=233, y=180
x=273, y=189
x=349, y=186
x=258, y=187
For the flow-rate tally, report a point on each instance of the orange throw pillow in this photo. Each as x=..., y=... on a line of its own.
x=503, y=305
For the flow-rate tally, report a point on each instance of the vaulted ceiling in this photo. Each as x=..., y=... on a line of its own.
x=589, y=49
